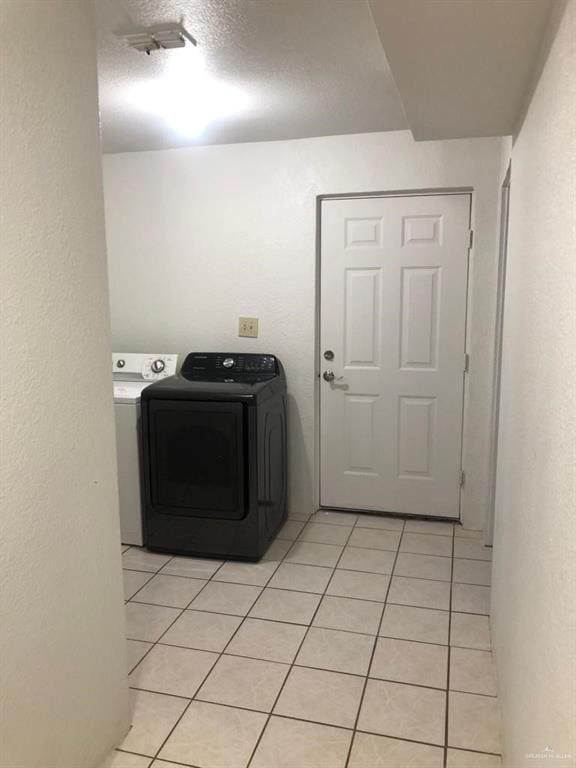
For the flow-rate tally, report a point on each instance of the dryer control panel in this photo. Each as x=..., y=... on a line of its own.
x=222, y=366
x=147, y=366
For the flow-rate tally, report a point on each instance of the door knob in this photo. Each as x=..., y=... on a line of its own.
x=330, y=376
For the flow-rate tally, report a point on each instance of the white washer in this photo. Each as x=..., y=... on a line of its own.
x=133, y=372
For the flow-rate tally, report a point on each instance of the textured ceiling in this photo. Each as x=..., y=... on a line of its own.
x=306, y=67
x=463, y=68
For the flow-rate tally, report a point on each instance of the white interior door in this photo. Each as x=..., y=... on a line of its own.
x=394, y=274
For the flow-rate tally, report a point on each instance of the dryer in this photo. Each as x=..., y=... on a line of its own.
x=214, y=456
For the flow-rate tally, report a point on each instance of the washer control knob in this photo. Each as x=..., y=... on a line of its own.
x=158, y=366
x=228, y=362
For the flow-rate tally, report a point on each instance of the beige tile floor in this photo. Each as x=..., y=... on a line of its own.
x=357, y=641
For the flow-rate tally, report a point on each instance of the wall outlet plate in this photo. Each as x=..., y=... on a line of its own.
x=248, y=326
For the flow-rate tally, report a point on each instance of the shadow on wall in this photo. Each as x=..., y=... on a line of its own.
x=300, y=488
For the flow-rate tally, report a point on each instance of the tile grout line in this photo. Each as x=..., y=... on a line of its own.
x=273, y=621
x=317, y=722
x=186, y=698
x=334, y=570
x=304, y=636
x=319, y=626
x=363, y=515
x=265, y=585
x=157, y=641
x=153, y=759
x=309, y=666
x=307, y=629
x=152, y=575
x=313, y=722
x=447, y=710
x=220, y=654
x=306, y=591
x=345, y=597
x=353, y=546
x=130, y=600
x=361, y=702
x=361, y=523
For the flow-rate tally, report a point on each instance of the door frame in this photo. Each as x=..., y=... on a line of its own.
x=497, y=371
x=317, y=322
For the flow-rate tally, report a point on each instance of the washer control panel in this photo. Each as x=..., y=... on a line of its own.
x=149, y=366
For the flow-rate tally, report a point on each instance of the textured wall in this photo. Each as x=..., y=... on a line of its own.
x=63, y=695
x=535, y=555
x=197, y=237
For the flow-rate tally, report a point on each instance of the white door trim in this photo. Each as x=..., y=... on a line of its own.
x=317, y=315
x=497, y=375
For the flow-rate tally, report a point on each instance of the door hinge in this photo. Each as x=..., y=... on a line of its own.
x=462, y=478
x=466, y=362
x=470, y=239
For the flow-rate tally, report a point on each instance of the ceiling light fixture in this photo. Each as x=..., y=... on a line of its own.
x=186, y=97
x=188, y=113
x=157, y=38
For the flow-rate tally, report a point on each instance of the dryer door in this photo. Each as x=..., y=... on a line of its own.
x=196, y=458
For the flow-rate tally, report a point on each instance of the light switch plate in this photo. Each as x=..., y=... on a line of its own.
x=248, y=326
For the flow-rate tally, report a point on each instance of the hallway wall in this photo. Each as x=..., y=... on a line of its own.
x=534, y=588
x=63, y=695
x=199, y=236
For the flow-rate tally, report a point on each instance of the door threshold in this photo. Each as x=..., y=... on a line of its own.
x=399, y=515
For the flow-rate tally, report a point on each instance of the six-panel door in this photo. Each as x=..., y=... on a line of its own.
x=393, y=311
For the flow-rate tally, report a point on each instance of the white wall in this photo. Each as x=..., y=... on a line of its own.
x=197, y=237
x=534, y=591
x=63, y=694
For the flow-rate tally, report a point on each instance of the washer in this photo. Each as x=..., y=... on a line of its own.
x=132, y=372
x=214, y=456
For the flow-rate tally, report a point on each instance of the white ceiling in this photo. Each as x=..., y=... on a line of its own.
x=458, y=68
x=464, y=68
x=307, y=68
